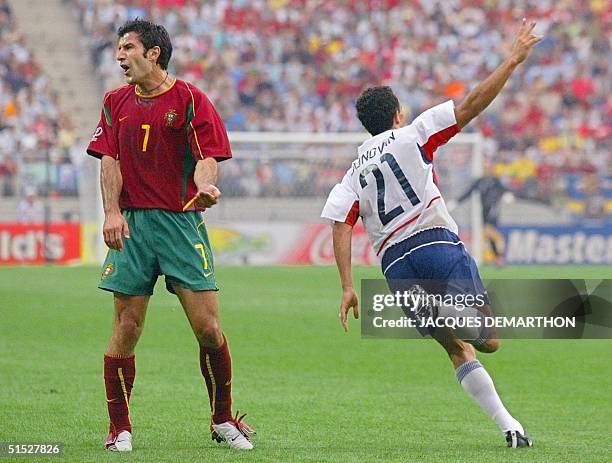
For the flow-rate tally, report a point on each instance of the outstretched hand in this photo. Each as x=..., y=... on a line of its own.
x=349, y=299
x=524, y=42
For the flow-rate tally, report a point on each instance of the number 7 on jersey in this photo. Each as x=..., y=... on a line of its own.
x=145, y=141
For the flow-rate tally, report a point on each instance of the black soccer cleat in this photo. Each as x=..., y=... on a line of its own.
x=516, y=440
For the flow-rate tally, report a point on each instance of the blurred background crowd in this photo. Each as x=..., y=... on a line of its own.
x=298, y=65
x=36, y=137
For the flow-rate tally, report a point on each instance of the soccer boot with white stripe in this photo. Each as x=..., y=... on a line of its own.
x=121, y=442
x=516, y=440
x=236, y=433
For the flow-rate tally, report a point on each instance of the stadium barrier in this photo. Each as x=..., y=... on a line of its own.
x=293, y=243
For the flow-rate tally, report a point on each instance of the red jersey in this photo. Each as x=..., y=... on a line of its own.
x=158, y=140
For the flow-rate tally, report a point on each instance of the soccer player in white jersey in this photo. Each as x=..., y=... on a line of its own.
x=393, y=188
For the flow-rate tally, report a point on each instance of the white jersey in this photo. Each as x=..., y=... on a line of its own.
x=392, y=185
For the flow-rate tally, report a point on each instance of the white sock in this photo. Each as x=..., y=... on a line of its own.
x=477, y=383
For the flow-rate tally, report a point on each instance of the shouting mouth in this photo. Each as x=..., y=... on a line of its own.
x=126, y=69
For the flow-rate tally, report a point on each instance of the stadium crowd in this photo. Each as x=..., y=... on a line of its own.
x=298, y=65
x=32, y=127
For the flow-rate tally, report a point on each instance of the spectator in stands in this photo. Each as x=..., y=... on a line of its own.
x=298, y=65
x=32, y=126
x=31, y=209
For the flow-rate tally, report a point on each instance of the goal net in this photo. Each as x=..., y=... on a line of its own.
x=275, y=187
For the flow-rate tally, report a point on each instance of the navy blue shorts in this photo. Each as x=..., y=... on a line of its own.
x=437, y=260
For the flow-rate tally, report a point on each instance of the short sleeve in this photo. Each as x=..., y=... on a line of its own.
x=342, y=204
x=206, y=131
x=435, y=127
x=102, y=142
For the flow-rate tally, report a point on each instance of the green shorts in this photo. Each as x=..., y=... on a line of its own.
x=174, y=244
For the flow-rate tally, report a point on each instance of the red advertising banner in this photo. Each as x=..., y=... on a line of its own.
x=315, y=246
x=260, y=243
x=23, y=243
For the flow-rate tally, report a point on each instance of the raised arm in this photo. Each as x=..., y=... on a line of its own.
x=205, y=177
x=479, y=98
x=342, y=234
x=115, y=226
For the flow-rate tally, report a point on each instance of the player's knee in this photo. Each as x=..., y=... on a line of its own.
x=130, y=327
x=209, y=333
x=460, y=351
x=489, y=346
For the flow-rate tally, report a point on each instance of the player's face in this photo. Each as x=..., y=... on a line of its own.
x=131, y=56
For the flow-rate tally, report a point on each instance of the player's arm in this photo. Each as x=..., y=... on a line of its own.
x=104, y=147
x=342, y=234
x=479, y=98
x=342, y=211
x=209, y=143
x=205, y=177
x=115, y=226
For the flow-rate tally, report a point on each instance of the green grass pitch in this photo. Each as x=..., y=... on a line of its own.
x=312, y=392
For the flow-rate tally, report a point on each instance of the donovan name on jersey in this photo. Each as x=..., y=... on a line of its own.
x=392, y=185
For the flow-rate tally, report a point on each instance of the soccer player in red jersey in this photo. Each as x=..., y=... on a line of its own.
x=159, y=141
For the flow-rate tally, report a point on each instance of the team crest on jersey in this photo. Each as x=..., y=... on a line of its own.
x=170, y=117
x=107, y=271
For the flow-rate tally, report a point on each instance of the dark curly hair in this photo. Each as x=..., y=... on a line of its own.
x=376, y=107
x=151, y=35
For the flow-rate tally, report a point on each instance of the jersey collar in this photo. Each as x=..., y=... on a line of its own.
x=155, y=94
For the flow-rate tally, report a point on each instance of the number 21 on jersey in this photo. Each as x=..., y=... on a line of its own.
x=384, y=216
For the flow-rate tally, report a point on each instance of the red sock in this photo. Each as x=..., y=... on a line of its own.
x=119, y=374
x=216, y=366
